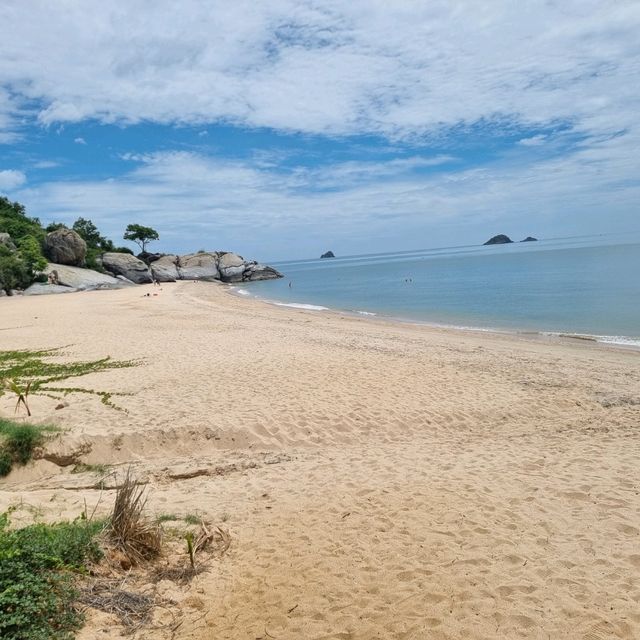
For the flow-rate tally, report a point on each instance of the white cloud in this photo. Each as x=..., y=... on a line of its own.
x=326, y=67
x=533, y=141
x=264, y=212
x=80, y=141
x=11, y=179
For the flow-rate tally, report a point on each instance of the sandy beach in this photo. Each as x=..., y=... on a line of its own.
x=378, y=480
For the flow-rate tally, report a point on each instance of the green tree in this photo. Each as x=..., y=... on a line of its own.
x=14, y=273
x=31, y=255
x=15, y=222
x=88, y=232
x=140, y=235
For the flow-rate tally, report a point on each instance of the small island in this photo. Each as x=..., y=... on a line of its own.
x=529, y=239
x=499, y=239
x=328, y=254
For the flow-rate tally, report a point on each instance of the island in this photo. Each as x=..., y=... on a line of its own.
x=499, y=239
x=328, y=254
x=529, y=239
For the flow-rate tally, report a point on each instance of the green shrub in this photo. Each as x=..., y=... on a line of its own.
x=37, y=568
x=14, y=273
x=18, y=442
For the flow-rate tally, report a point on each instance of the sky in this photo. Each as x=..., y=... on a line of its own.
x=287, y=128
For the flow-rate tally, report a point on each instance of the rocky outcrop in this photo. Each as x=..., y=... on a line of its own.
x=499, y=239
x=257, y=271
x=199, y=266
x=165, y=269
x=65, y=246
x=232, y=267
x=124, y=264
x=328, y=254
x=529, y=239
x=41, y=289
x=6, y=241
x=82, y=279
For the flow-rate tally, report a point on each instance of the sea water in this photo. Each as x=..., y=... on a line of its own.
x=588, y=286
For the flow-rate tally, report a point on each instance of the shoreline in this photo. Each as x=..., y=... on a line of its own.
x=361, y=468
x=625, y=343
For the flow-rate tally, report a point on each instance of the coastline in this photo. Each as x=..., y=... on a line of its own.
x=607, y=341
x=377, y=478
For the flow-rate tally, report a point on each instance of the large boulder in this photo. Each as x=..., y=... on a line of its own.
x=231, y=267
x=6, y=241
x=199, y=266
x=261, y=272
x=328, y=254
x=65, y=246
x=124, y=264
x=165, y=269
x=82, y=279
x=41, y=289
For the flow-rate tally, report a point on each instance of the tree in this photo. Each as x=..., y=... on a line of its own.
x=140, y=235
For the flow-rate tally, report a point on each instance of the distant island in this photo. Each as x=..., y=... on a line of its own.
x=328, y=254
x=502, y=239
x=499, y=239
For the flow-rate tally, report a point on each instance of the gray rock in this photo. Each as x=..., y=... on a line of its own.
x=6, y=241
x=40, y=289
x=3, y=293
x=231, y=267
x=65, y=246
x=165, y=269
x=124, y=264
x=261, y=272
x=83, y=279
x=328, y=254
x=199, y=266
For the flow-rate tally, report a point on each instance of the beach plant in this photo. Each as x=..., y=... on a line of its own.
x=129, y=529
x=18, y=442
x=38, y=567
x=33, y=372
x=21, y=392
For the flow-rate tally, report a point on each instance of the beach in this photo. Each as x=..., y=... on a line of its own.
x=377, y=479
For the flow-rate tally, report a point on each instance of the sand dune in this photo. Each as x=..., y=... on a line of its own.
x=378, y=480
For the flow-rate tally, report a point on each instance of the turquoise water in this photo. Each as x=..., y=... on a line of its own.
x=588, y=286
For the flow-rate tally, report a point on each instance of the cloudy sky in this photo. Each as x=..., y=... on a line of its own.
x=285, y=128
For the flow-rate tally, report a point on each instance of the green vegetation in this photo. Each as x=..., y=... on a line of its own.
x=167, y=517
x=190, y=518
x=18, y=441
x=37, y=567
x=18, y=268
x=142, y=236
x=23, y=261
x=29, y=367
x=83, y=467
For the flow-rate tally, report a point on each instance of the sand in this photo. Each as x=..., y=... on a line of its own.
x=378, y=480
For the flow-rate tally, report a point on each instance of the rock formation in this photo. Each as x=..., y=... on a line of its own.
x=165, y=269
x=124, y=264
x=499, y=239
x=6, y=241
x=199, y=266
x=328, y=254
x=82, y=279
x=65, y=246
x=529, y=239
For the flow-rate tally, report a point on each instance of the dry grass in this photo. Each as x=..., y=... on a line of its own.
x=129, y=530
x=133, y=609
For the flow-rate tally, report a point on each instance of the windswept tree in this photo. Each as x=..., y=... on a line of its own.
x=140, y=235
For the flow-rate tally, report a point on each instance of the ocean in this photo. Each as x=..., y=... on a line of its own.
x=582, y=286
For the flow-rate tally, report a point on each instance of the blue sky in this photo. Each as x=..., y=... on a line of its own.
x=284, y=129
